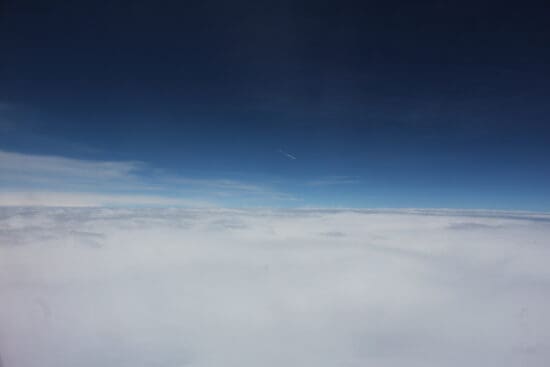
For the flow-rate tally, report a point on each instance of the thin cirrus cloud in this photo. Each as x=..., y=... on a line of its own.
x=29, y=179
x=334, y=180
x=90, y=199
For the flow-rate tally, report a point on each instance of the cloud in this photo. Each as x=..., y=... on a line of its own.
x=210, y=287
x=334, y=180
x=472, y=226
x=288, y=155
x=334, y=234
x=82, y=199
x=29, y=179
x=28, y=166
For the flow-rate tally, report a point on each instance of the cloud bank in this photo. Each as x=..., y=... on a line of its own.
x=216, y=287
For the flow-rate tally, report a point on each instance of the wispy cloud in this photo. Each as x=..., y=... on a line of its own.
x=28, y=166
x=333, y=180
x=29, y=179
x=288, y=155
x=85, y=199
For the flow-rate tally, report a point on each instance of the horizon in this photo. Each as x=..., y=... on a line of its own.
x=52, y=180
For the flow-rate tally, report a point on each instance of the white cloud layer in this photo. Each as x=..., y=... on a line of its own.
x=189, y=287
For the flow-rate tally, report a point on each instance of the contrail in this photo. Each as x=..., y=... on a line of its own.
x=288, y=155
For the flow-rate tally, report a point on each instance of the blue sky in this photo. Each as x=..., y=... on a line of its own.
x=424, y=106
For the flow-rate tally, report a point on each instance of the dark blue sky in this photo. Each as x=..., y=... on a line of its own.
x=383, y=104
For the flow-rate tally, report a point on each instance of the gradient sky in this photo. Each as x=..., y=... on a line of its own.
x=280, y=103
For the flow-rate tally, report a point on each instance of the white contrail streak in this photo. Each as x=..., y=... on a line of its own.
x=288, y=155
